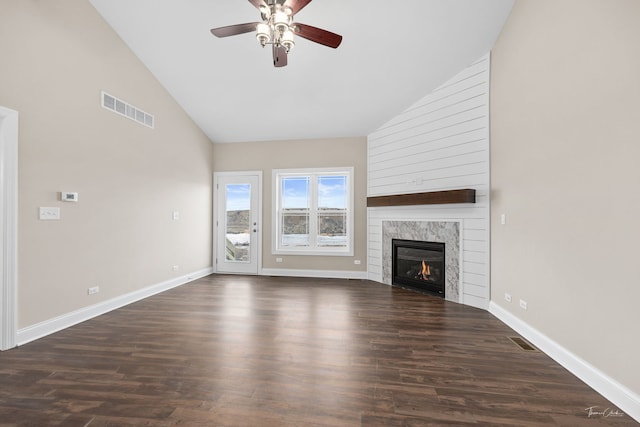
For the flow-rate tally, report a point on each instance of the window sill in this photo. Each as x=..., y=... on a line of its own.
x=312, y=253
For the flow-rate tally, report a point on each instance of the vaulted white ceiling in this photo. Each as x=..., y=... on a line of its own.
x=393, y=53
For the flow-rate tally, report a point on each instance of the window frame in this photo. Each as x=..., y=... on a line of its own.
x=313, y=174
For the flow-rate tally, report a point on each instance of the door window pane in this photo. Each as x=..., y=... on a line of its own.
x=238, y=222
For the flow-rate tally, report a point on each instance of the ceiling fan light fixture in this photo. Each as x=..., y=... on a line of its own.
x=281, y=20
x=263, y=33
x=287, y=40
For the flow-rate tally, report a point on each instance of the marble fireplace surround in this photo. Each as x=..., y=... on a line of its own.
x=447, y=232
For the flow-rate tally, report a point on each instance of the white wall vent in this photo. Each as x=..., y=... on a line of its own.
x=127, y=110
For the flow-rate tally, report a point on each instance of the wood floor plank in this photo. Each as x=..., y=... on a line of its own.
x=272, y=351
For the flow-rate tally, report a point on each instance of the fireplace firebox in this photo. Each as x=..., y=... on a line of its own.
x=419, y=265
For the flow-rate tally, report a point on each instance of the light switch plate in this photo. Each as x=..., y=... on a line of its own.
x=49, y=213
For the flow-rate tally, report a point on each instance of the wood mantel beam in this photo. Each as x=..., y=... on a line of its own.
x=466, y=195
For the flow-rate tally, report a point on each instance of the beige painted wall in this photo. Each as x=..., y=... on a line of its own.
x=266, y=156
x=56, y=57
x=565, y=123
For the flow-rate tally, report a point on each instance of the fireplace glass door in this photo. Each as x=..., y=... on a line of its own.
x=419, y=265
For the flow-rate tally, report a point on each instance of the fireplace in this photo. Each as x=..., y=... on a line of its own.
x=419, y=265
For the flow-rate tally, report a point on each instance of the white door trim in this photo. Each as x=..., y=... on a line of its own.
x=216, y=196
x=9, y=224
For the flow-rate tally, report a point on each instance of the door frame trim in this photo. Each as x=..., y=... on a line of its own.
x=9, y=224
x=216, y=196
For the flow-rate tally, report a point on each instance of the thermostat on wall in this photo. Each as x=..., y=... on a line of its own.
x=69, y=197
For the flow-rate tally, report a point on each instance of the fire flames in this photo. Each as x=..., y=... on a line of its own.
x=426, y=271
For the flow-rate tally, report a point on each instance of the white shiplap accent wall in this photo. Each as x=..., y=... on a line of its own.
x=439, y=143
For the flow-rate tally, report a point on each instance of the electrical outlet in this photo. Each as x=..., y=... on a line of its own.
x=278, y=259
x=523, y=304
x=356, y=261
x=93, y=290
x=175, y=268
x=507, y=297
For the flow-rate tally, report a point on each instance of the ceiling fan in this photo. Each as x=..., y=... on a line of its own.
x=277, y=28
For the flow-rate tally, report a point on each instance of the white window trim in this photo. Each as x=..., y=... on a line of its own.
x=275, y=229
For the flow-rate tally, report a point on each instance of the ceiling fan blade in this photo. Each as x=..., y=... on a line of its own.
x=296, y=5
x=258, y=3
x=232, y=30
x=318, y=35
x=279, y=56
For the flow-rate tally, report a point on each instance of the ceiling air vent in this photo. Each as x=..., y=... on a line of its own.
x=127, y=110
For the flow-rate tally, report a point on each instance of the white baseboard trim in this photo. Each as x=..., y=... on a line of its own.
x=323, y=274
x=47, y=327
x=624, y=398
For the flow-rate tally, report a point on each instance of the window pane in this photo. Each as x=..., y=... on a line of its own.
x=295, y=228
x=296, y=199
x=332, y=192
x=238, y=223
x=295, y=192
x=332, y=211
x=332, y=228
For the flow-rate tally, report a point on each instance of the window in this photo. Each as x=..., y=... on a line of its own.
x=313, y=211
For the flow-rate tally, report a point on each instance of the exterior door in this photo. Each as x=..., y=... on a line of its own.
x=238, y=222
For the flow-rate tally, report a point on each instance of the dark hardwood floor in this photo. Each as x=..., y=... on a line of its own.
x=271, y=351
